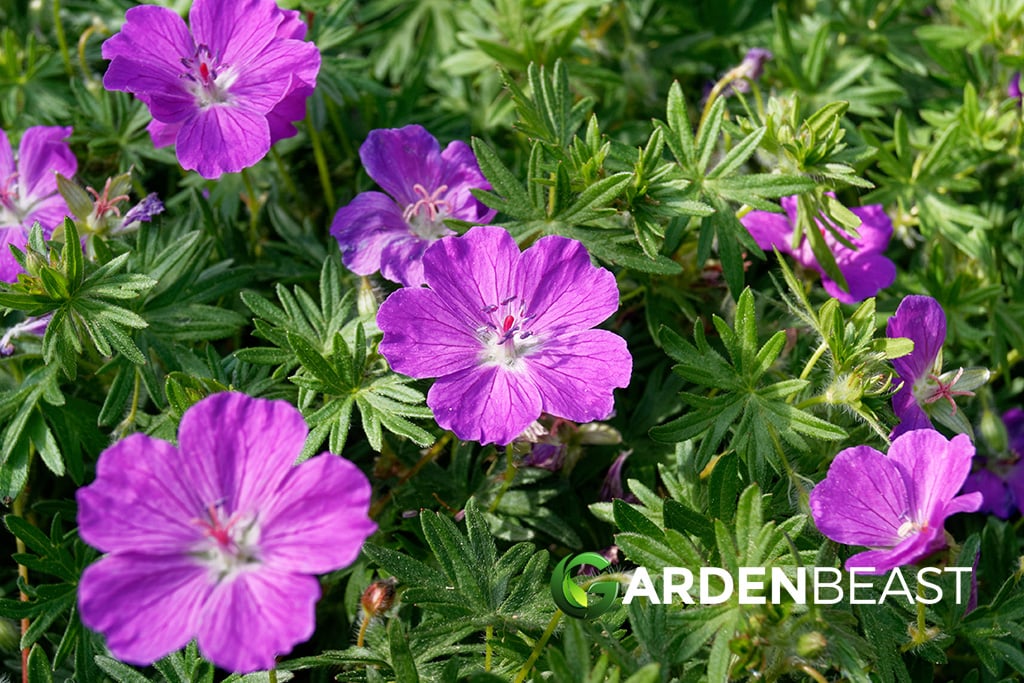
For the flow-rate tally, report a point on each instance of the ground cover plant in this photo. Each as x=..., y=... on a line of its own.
x=413, y=341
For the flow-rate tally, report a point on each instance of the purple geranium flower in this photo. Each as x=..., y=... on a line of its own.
x=390, y=233
x=224, y=92
x=922, y=320
x=749, y=70
x=612, y=486
x=28, y=189
x=1001, y=480
x=866, y=270
x=896, y=505
x=219, y=538
x=1013, y=88
x=507, y=334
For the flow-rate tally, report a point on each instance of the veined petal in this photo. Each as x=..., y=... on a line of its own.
x=487, y=261
x=255, y=616
x=147, y=606
x=268, y=76
x=222, y=139
x=320, y=520
x=423, y=337
x=141, y=500
x=770, y=230
x=146, y=54
x=237, y=449
x=42, y=154
x=50, y=213
x=489, y=404
x=399, y=158
x=907, y=551
x=401, y=260
x=576, y=374
x=563, y=290
x=910, y=413
x=235, y=30
x=862, y=501
x=866, y=274
x=922, y=320
x=163, y=134
x=292, y=107
x=875, y=228
x=9, y=268
x=461, y=173
x=933, y=468
x=7, y=167
x=364, y=227
x=996, y=498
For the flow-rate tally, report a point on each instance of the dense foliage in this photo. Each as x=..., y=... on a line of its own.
x=637, y=128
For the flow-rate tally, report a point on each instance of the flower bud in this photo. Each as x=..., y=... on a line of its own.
x=379, y=596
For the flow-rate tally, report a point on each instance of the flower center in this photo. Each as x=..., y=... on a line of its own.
x=426, y=215
x=230, y=542
x=10, y=211
x=911, y=527
x=932, y=389
x=208, y=79
x=506, y=337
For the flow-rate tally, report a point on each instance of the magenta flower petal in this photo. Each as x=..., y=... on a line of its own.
x=896, y=504
x=427, y=187
x=506, y=334
x=144, y=505
x=577, y=373
x=865, y=269
x=922, y=320
x=225, y=535
x=248, y=621
x=487, y=404
x=224, y=92
x=909, y=412
x=28, y=189
x=146, y=605
x=875, y=495
x=240, y=468
x=237, y=31
x=996, y=497
x=398, y=158
x=221, y=140
x=486, y=277
x=564, y=288
x=423, y=337
x=311, y=530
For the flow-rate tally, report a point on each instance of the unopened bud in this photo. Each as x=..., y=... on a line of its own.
x=811, y=644
x=379, y=596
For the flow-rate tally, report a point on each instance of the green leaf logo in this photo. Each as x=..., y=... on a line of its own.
x=573, y=600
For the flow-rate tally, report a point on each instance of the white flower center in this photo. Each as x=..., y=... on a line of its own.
x=507, y=337
x=208, y=79
x=426, y=215
x=230, y=542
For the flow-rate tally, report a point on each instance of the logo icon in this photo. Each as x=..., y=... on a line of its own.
x=572, y=599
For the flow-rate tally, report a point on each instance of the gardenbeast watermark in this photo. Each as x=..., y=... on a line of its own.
x=750, y=586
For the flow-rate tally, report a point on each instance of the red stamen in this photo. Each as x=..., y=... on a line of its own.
x=509, y=320
x=204, y=71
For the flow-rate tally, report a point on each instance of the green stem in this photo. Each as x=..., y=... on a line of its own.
x=272, y=676
x=62, y=41
x=488, y=634
x=286, y=177
x=813, y=360
x=510, y=474
x=539, y=647
x=254, y=209
x=321, y=163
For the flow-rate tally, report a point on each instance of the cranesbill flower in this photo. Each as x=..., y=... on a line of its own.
x=390, y=232
x=224, y=92
x=1001, y=480
x=896, y=505
x=507, y=334
x=926, y=391
x=866, y=270
x=219, y=538
x=28, y=189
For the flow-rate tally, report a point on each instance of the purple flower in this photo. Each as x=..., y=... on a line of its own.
x=390, y=233
x=224, y=92
x=749, y=70
x=896, y=505
x=219, y=538
x=507, y=334
x=1001, y=480
x=28, y=189
x=33, y=326
x=866, y=270
x=143, y=211
x=922, y=320
x=1013, y=88
x=546, y=456
x=612, y=487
